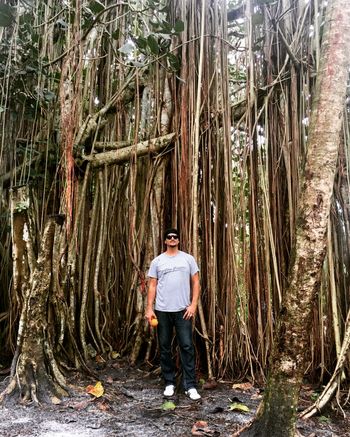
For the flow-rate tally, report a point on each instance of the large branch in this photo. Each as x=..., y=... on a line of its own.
x=118, y=156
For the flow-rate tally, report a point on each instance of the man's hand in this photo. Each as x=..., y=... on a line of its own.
x=149, y=315
x=190, y=311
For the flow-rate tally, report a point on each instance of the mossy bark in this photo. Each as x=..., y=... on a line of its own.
x=277, y=418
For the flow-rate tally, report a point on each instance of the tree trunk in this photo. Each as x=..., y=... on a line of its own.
x=34, y=354
x=277, y=414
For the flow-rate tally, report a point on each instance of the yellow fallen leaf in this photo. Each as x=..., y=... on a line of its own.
x=115, y=355
x=96, y=390
x=239, y=407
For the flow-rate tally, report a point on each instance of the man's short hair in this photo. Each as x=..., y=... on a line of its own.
x=171, y=231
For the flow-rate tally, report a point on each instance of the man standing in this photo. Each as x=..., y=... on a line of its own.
x=173, y=275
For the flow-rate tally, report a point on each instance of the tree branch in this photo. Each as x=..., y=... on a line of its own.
x=118, y=156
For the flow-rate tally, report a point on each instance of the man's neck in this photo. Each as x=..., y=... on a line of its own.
x=172, y=251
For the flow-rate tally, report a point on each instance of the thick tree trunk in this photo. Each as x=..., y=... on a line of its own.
x=277, y=414
x=34, y=370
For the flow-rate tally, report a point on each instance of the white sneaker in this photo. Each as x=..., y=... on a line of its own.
x=169, y=390
x=193, y=394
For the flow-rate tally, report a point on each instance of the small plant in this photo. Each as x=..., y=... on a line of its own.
x=314, y=396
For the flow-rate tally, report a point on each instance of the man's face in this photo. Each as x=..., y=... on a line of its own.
x=172, y=239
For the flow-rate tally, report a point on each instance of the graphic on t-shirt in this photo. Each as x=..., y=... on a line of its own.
x=173, y=269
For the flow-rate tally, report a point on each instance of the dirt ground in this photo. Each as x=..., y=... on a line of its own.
x=133, y=405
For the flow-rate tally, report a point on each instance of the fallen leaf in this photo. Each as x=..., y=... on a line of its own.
x=245, y=386
x=55, y=400
x=201, y=424
x=115, y=355
x=168, y=405
x=95, y=390
x=100, y=359
x=239, y=407
x=200, y=428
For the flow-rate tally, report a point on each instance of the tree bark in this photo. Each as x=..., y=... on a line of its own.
x=277, y=413
x=118, y=156
x=34, y=371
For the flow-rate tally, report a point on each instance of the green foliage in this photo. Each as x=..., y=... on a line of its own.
x=116, y=34
x=26, y=66
x=7, y=15
x=314, y=396
x=237, y=74
x=174, y=61
x=168, y=405
x=21, y=206
x=95, y=6
x=157, y=44
x=142, y=48
x=153, y=44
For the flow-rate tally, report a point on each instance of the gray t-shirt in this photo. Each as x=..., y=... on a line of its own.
x=174, y=280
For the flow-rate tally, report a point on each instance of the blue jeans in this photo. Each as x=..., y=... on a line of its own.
x=183, y=329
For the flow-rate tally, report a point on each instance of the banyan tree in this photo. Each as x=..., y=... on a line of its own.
x=119, y=119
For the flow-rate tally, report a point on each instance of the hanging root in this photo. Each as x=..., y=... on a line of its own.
x=336, y=379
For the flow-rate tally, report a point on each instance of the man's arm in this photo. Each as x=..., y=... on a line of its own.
x=191, y=309
x=151, y=295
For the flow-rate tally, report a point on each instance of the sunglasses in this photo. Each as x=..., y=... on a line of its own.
x=172, y=237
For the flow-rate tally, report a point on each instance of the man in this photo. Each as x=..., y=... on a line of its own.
x=173, y=275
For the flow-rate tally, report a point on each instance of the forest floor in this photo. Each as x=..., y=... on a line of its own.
x=133, y=405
